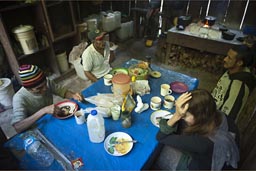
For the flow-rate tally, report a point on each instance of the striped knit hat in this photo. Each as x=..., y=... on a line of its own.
x=31, y=76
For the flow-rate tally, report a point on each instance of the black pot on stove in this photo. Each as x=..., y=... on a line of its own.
x=228, y=35
x=183, y=22
x=209, y=20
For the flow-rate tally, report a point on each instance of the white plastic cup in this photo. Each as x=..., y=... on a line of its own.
x=155, y=103
x=108, y=79
x=80, y=118
x=115, y=112
x=169, y=101
x=165, y=89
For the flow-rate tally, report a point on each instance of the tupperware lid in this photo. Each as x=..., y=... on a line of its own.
x=121, y=79
x=22, y=28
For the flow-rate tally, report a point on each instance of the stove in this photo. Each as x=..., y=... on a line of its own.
x=204, y=31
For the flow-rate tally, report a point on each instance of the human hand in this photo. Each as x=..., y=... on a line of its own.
x=77, y=96
x=51, y=109
x=182, y=105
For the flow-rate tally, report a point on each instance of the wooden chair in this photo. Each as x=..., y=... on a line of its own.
x=247, y=126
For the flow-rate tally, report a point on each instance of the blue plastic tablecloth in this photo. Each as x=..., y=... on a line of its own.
x=72, y=140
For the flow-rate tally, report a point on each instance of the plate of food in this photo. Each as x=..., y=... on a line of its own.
x=179, y=87
x=141, y=71
x=119, y=71
x=118, y=144
x=158, y=115
x=67, y=109
x=155, y=74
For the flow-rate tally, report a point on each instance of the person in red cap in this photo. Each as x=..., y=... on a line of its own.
x=35, y=98
x=97, y=56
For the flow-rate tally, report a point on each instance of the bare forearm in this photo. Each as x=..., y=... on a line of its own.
x=69, y=94
x=90, y=76
x=28, y=122
x=112, y=56
x=173, y=119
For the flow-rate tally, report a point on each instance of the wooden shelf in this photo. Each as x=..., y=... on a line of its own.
x=17, y=6
x=52, y=4
x=66, y=36
x=68, y=73
x=26, y=55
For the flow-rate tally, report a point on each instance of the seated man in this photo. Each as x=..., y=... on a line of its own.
x=236, y=84
x=97, y=56
x=35, y=98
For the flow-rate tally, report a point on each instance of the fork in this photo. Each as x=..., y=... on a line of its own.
x=132, y=141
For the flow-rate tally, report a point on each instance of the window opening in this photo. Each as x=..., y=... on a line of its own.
x=247, y=4
x=208, y=7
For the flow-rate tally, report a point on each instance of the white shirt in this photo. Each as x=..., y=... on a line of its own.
x=94, y=62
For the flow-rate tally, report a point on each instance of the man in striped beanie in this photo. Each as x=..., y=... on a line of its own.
x=35, y=98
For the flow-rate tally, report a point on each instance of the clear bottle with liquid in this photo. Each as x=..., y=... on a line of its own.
x=96, y=127
x=38, y=151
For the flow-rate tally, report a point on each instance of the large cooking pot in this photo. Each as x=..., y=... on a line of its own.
x=228, y=35
x=209, y=20
x=183, y=21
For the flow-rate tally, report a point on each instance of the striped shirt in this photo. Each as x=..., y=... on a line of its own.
x=232, y=92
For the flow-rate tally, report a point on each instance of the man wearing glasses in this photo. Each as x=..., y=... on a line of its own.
x=97, y=56
x=35, y=98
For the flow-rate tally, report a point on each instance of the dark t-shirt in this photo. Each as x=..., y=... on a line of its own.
x=199, y=148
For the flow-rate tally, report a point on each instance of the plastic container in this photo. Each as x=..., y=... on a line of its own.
x=92, y=24
x=38, y=151
x=26, y=36
x=6, y=92
x=96, y=127
x=117, y=19
x=121, y=84
x=126, y=31
x=62, y=61
x=109, y=22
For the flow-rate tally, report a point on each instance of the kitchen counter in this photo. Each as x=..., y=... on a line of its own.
x=201, y=41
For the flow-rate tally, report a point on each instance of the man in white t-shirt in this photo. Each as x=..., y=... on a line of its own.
x=97, y=56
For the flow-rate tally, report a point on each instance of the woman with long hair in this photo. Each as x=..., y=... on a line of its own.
x=199, y=133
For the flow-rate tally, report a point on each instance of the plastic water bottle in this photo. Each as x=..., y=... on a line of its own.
x=96, y=128
x=38, y=151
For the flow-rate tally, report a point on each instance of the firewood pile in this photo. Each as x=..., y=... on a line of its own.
x=191, y=58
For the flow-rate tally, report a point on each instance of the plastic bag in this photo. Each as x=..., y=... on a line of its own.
x=141, y=87
x=105, y=100
x=77, y=51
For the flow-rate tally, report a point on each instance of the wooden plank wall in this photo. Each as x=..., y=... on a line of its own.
x=227, y=13
x=250, y=15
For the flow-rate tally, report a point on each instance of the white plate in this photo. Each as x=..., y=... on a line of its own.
x=69, y=106
x=159, y=113
x=112, y=148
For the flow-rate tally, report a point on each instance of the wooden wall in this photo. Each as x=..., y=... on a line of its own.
x=228, y=13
